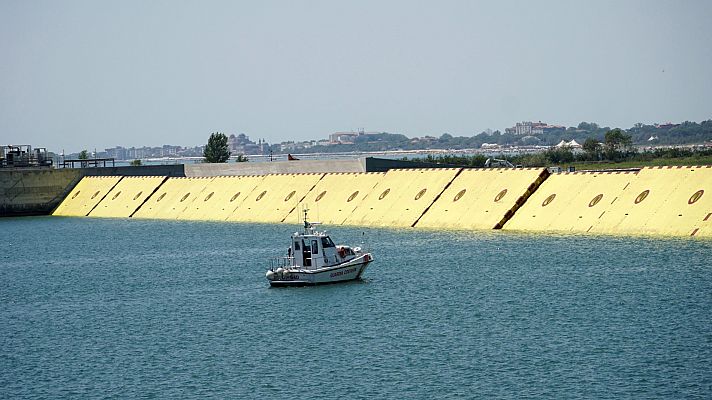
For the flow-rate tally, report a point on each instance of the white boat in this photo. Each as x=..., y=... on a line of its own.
x=313, y=258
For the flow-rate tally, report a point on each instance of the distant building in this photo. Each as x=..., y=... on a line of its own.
x=348, y=137
x=241, y=144
x=526, y=128
x=343, y=137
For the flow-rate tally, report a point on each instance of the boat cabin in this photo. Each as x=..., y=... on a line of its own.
x=317, y=250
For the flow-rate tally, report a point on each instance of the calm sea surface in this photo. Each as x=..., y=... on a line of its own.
x=104, y=308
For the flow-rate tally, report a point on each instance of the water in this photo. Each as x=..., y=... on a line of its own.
x=103, y=308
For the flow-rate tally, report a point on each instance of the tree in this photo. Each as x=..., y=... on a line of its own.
x=83, y=155
x=593, y=148
x=616, y=143
x=135, y=163
x=216, y=151
x=445, y=137
x=241, y=158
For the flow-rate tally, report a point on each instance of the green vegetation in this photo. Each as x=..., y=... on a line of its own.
x=216, y=151
x=640, y=134
x=83, y=155
x=135, y=163
x=615, y=152
x=241, y=158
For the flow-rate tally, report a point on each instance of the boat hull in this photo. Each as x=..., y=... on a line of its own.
x=347, y=271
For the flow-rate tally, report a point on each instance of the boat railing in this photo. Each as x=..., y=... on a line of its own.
x=281, y=262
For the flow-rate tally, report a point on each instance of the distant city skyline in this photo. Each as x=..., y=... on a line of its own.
x=86, y=75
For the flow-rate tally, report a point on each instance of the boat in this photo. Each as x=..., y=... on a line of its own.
x=313, y=258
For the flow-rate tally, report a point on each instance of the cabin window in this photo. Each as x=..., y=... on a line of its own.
x=296, y=246
x=326, y=242
x=315, y=247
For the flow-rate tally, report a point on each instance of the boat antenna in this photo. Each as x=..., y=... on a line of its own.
x=306, y=222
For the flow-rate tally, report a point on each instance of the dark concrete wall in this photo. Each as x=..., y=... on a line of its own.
x=384, y=164
x=34, y=191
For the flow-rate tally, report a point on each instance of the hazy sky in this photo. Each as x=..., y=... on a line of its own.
x=97, y=74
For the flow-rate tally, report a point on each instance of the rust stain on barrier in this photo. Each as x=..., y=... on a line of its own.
x=420, y=194
x=548, y=200
x=695, y=196
x=642, y=196
x=384, y=194
x=595, y=200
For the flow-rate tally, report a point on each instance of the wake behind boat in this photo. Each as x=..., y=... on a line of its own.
x=313, y=259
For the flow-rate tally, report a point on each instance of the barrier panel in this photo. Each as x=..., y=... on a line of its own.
x=127, y=196
x=275, y=197
x=482, y=198
x=401, y=197
x=335, y=197
x=570, y=201
x=172, y=198
x=86, y=195
x=220, y=198
x=662, y=201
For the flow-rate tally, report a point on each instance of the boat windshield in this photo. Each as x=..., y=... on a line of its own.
x=326, y=242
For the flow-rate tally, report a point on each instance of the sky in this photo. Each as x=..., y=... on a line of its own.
x=97, y=74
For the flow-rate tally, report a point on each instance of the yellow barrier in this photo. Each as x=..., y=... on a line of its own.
x=570, y=202
x=401, y=197
x=335, y=197
x=172, y=198
x=662, y=201
x=275, y=197
x=221, y=197
x=86, y=195
x=127, y=196
x=482, y=198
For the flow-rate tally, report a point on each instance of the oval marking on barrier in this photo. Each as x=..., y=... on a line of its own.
x=595, y=200
x=185, y=197
x=642, y=196
x=500, y=195
x=320, y=196
x=209, y=196
x=289, y=196
x=137, y=195
x=459, y=195
x=160, y=197
x=353, y=196
x=235, y=197
x=384, y=194
x=548, y=200
x=420, y=194
x=95, y=194
x=696, y=196
x=261, y=196
x=116, y=195
x=76, y=194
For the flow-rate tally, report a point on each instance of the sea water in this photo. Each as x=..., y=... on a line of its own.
x=121, y=308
